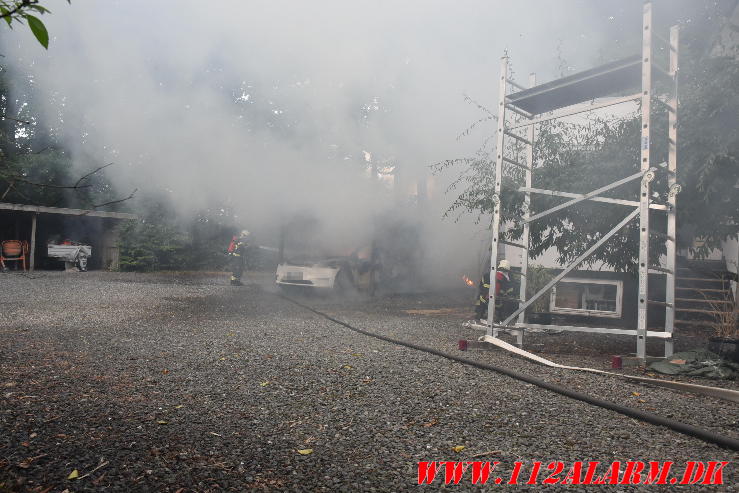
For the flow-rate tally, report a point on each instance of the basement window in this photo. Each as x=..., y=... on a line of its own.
x=593, y=297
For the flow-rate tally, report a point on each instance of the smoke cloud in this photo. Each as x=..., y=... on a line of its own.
x=274, y=107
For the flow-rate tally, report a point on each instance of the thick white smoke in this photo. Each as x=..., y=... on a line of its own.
x=268, y=106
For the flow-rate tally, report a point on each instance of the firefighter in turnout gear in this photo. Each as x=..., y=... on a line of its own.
x=237, y=253
x=503, y=287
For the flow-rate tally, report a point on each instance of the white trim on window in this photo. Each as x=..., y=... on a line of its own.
x=582, y=311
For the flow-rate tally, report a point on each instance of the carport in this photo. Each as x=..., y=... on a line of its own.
x=38, y=224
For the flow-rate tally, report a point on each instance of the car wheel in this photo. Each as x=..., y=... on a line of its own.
x=343, y=282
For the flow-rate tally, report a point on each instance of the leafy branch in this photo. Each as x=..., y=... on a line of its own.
x=20, y=11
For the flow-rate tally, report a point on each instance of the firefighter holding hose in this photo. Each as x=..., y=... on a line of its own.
x=503, y=287
x=237, y=254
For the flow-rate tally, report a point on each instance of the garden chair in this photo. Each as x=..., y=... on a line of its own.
x=13, y=251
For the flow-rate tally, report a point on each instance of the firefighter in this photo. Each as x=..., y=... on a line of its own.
x=237, y=253
x=503, y=287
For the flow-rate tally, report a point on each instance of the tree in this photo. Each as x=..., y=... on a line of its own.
x=581, y=158
x=35, y=168
x=161, y=239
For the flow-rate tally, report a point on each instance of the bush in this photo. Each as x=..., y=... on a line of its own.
x=162, y=241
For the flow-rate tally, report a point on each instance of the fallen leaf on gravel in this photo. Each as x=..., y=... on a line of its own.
x=165, y=371
x=162, y=422
x=25, y=444
x=458, y=448
x=222, y=359
x=214, y=433
x=179, y=406
x=305, y=451
x=74, y=474
x=357, y=354
x=431, y=423
x=263, y=384
x=635, y=394
x=348, y=367
x=641, y=401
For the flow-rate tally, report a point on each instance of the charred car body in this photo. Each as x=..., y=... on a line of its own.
x=389, y=258
x=333, y=273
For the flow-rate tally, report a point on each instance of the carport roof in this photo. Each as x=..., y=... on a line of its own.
x=5, y=206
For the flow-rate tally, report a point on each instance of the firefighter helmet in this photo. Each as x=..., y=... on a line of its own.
x=504, y=265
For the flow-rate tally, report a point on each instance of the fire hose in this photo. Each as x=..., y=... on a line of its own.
x=686, y=429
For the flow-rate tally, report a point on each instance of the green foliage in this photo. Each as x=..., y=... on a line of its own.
x=708, y=153
x=161, y=240
x=148, y=245
x=33, y=178
x=580, y=159
x=19, y=11
x=537, y=277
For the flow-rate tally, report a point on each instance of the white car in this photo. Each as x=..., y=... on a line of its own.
x=338, y=273
x=289, y=274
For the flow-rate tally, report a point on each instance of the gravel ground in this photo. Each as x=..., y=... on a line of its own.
x=180, y=383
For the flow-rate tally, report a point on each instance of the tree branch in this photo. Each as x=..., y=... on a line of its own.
x=44, y=185
x=10, y=187
x=91, y=173
x=5, y=117
x=40, y=150
x=117, y=201
x=19, y=6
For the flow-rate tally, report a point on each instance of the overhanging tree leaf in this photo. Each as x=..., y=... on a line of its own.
x=6, y=15
x=38, y=29
x=39, y=8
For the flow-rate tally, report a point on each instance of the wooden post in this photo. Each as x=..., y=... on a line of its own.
x=32, y=261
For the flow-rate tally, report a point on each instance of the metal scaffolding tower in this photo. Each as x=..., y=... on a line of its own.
x=565, y=97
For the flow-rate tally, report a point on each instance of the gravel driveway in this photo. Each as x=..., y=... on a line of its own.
x=154, y=382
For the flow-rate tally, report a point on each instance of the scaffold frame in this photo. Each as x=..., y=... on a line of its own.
x=565, y=97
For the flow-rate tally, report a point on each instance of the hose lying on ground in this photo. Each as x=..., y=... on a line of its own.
x=686, y=429
x=716, y=392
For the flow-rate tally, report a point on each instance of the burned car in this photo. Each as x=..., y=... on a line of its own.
x=334, y=273
x=386, y=256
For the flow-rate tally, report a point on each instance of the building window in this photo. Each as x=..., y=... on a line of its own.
x=594, y=297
